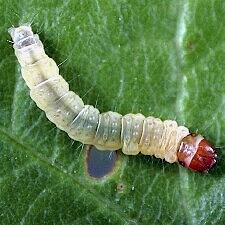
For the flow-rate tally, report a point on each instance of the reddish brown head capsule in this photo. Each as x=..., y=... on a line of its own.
x=196, y=153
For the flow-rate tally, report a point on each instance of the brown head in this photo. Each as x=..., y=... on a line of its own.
x=196, y=153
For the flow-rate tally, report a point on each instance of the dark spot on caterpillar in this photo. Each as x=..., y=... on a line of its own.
x=120, y=187
x=100, y=163
x=196, y=153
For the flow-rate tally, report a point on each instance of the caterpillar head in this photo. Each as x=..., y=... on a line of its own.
x=22, y=36
x=196, y=153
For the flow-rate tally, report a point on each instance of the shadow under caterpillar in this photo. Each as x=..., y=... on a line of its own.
x=133, y=133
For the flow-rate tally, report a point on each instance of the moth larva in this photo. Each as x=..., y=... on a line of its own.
x=107, y=131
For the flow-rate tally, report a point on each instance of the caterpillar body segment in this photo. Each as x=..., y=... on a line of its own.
x=64, y=109
x=43, y=69
x=132, y=129
x=133, y=133
x=84, y=125
x=108, y=133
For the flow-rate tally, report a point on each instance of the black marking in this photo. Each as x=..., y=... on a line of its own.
x=100, y=163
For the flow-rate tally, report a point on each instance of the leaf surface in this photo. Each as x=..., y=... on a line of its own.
x=160, y=58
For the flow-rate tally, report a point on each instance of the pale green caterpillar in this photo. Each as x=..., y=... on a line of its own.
x=133, y=133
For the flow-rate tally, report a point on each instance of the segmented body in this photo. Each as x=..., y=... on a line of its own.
x=133, y=133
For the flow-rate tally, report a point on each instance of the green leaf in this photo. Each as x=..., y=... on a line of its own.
x=160, y=58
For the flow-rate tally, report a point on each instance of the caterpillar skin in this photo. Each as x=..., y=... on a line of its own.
x=133, y=133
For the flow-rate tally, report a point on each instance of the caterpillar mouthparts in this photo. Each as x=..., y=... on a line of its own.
x=133, y=133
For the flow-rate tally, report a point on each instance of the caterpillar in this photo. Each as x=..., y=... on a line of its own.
x=133, y=133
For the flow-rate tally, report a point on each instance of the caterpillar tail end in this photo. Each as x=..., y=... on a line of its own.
x=22, y=36
x=196, y=153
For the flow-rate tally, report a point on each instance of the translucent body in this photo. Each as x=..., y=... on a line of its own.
x=107, y=131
